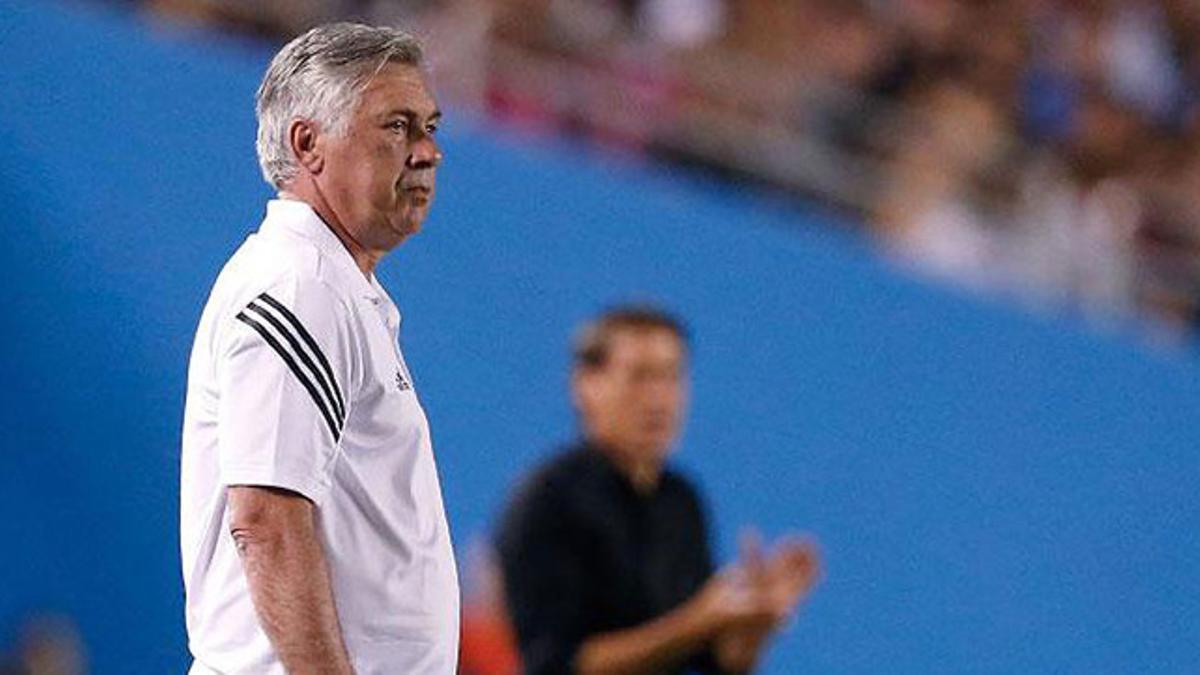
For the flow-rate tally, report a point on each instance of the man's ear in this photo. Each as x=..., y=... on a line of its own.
x=303, y=137
x=582, y=384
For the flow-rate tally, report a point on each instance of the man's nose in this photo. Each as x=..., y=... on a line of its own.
x=424, y=153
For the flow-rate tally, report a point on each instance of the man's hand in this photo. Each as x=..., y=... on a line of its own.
x=775, y=585
x=792, y=571
x=724, y=604
x=728, y=602
x=275, y=534
x=734, y=612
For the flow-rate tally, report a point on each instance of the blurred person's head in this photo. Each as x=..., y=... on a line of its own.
x=996, y=59
x=959, y=127
x=345, y=122
x=767, y=30
x=940, y=160
x=1105, y=135
x=933, y=25
x=630, y=383
x=848, y=43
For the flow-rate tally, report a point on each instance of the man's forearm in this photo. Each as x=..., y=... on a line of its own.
x=738, y=651
x=289, y=583
x=648, y=648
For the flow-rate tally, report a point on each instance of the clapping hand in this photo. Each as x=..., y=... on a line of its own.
x=772, y=584
x=791, y=571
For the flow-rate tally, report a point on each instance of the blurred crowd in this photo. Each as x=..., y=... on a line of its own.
x=1044, y=150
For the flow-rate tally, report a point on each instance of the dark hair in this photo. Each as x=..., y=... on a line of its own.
x=593, y=340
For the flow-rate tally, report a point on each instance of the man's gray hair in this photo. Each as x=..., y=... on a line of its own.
x=319, y=76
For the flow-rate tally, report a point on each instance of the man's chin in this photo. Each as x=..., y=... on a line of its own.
x=655, y=447
x=405, y=228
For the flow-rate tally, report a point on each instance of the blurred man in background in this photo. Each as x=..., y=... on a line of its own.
x=604, y=551
x=314, y=538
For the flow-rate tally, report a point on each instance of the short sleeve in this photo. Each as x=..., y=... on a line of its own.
x=546, y=582
x=283, y=363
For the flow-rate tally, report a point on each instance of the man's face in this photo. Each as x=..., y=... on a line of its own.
x=634, y=403
x=379, y=175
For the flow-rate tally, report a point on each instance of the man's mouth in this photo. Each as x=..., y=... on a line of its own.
x=656, y=424
x=418, y=194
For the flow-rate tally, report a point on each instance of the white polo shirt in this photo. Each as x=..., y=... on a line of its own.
x=296, y=381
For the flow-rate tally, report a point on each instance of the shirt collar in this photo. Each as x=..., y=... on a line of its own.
x=298, y=218
x=605, y=464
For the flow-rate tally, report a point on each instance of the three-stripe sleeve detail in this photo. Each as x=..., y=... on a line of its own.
x=308, y=339
x=320, y=382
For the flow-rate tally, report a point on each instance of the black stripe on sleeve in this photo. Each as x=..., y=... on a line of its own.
x=308, y=339
x=291, y=363
x=337, y=409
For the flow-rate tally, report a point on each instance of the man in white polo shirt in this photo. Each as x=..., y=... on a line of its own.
x=313, y=534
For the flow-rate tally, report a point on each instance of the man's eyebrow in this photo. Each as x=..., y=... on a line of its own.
x=412, y=114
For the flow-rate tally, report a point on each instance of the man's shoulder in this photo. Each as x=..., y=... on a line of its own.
x=544, y=503
x=679, y=484
x=549, y=484
x=282, y=266
x=270, y=257
x=567, y=465
x=675, y=478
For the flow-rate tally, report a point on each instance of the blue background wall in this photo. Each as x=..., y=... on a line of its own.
x=992, y=493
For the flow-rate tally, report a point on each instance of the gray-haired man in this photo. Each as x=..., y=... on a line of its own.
x=313, y=534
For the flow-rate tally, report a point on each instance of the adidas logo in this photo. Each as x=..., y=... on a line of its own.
x=401, y=383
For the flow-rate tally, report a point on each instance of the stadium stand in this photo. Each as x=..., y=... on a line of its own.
x=1041, y=151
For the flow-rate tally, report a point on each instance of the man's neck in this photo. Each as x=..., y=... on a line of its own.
x=363, y=258
x=643, y=474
